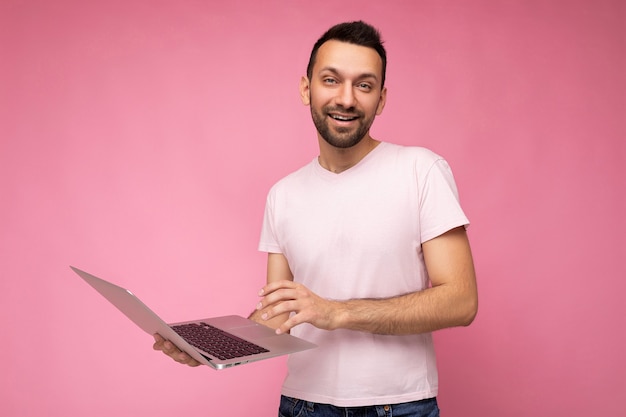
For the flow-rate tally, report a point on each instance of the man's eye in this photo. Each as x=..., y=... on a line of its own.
x=330, y=81
x=364, y=86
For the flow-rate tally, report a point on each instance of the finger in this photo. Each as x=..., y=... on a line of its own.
x=158, y=342
x=193, y=363
x=185, y=359
x=173, y=352
x=277, y=297
x=182, y=357
x=167, y=348
x=178, y=355
x=288, y=325
x=275, y=310
x=276, y=285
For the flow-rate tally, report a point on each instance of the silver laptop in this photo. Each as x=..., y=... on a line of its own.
x=219, y=342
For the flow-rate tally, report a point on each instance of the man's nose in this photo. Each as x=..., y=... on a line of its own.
x=345, y=96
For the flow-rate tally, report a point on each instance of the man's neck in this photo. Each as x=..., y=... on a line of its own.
x=338, y=160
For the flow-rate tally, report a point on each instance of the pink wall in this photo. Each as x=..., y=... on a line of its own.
x=138, y=140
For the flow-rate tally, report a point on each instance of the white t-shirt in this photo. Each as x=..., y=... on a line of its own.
x=358, y=234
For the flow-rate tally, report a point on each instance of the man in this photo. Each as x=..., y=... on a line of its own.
x=367, y=250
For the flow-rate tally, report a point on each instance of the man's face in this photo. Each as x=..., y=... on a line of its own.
x=344, y=92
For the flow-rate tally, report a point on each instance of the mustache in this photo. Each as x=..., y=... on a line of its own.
x=350, y=111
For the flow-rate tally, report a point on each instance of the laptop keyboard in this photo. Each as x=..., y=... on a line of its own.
x=216, y=342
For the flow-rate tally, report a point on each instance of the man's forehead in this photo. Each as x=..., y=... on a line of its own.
x=344, y=56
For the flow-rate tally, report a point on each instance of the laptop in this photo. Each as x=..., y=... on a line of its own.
x=218, y=342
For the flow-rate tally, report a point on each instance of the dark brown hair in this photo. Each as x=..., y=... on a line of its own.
x=358, y=33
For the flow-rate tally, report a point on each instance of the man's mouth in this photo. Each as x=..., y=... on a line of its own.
x=343, y=118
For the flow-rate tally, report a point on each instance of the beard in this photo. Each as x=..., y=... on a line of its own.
x=340, y=137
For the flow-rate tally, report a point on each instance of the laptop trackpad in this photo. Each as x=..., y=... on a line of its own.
x=253, y=332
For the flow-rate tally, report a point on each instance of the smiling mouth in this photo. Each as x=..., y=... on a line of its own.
x=341, y=118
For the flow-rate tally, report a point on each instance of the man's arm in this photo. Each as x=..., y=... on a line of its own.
x=451, y=301
x=277, y=270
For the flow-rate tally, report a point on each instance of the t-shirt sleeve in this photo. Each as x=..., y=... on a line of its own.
x=440, y=210
x=268, y=242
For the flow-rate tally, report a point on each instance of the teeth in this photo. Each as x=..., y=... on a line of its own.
x=342, y=118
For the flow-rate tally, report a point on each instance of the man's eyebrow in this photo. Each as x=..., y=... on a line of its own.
x=360, y=77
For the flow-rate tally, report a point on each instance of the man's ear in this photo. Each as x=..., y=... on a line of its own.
x=382, y=101
x=305, y=91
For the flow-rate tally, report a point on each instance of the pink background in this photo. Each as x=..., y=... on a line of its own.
x=138, y=141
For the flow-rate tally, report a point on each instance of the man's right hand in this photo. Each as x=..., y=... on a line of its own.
x=173, y=352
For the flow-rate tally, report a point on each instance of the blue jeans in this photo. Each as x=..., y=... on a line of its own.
x=292, y=407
